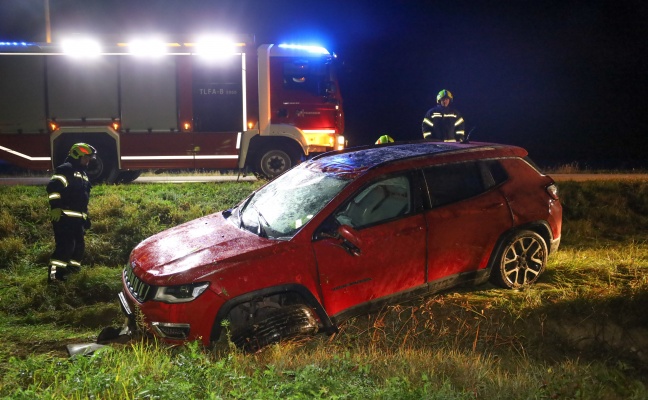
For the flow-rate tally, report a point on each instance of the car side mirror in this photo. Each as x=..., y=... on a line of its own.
x=351, y=241
x=349, y=234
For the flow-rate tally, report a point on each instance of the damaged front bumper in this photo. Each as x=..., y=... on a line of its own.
x=166, y=330
x=127, y=311
x=109, y=334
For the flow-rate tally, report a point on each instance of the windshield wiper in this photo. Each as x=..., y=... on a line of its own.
x=261, y=231
x=241, y=208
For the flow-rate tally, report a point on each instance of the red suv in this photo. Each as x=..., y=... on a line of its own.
x=343, y=234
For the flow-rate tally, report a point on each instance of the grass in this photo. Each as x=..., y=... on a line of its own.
x=576, y=167
x=579, y=333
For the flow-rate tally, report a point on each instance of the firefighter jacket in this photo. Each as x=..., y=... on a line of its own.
x=443, y=124
x=69, y=190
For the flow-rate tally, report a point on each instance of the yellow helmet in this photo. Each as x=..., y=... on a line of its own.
x=384, y=139
x=444, y=93
x=79, y=150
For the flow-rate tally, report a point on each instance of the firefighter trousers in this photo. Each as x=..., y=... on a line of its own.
x=69, y=237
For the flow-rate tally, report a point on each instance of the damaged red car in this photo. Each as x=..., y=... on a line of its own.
x=343, y=234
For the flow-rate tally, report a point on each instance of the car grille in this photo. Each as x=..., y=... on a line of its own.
x=136, y=287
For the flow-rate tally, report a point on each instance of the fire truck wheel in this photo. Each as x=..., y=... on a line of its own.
x=274, y=162
x=102, y=169
x=128, y=176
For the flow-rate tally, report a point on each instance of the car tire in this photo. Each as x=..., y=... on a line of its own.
x=521, y=260
x=277, y=325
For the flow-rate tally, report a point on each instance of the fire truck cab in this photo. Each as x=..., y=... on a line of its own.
x=204, y=104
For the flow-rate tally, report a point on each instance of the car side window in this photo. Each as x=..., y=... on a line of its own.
x=493, y=173
x=379, y=201
x=453, y=182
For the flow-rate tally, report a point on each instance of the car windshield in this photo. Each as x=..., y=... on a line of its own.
x=279, y=209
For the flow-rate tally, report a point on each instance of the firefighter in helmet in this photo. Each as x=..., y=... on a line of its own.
x=68, y=193
x=385, y=139
x=443, y=123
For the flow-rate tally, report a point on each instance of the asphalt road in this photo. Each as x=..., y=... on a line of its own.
x=229, y=178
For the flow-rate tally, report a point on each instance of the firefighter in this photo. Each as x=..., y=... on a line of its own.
x=384, y=139
x=443, y=123
x=69, y=192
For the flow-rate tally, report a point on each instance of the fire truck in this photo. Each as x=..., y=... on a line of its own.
x=213, y=103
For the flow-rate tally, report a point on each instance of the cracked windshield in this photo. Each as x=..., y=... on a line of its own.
x=281, y=208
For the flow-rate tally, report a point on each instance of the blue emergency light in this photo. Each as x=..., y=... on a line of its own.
x=312, y=49
x=15, y=44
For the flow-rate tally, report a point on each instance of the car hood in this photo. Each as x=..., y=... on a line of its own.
x=193, y=250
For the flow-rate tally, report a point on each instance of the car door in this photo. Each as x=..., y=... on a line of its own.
x=467, y=216
x=386, y=253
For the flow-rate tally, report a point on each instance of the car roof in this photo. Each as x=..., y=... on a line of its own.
x=356, y=160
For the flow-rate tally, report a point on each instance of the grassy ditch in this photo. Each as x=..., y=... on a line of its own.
x=581, y=332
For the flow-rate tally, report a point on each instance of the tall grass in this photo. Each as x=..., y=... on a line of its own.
x=579, y=333
x=596, y=212
x=148, y=371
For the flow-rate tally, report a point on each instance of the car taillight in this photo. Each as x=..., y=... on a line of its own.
x=552, y=190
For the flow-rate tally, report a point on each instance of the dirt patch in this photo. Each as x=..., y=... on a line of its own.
x=631, y=342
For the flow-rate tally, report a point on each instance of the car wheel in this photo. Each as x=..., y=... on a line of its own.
x=276, y=325
x=521, y=261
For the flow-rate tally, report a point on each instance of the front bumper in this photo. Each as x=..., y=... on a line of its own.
x=127, y=310
x=554, y=245
x=173, y=323
x=164, y=330
x=125, y=307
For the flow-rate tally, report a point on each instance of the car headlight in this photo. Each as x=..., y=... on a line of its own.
x=180, y=293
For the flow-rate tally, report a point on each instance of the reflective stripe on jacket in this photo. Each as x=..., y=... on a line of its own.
x=443, y=123
x=69, y=190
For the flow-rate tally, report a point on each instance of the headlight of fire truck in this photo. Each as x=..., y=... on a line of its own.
x=341, y=143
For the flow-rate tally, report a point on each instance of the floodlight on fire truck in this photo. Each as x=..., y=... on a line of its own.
x=81, y=47
x=214, y=47
x=147, y=47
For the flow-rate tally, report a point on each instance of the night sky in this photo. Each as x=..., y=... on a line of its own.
x=565, y=79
